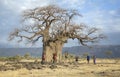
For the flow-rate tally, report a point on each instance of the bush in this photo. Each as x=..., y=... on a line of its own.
x=14, y=58
x=27, y=56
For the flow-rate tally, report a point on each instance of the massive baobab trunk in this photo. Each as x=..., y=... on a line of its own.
x=49, y=48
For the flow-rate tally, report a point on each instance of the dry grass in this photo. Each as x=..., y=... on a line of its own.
x=103, y=68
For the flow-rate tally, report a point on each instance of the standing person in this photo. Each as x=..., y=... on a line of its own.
x=94, y=59
x=66, y=56
x=76, y=58
x=88, y=59
x=54, y=57
x=43, y=58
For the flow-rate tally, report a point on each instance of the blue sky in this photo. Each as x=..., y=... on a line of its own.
x=104, y=14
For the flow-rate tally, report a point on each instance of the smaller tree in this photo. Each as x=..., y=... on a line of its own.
x=27, y=56
x=15, y=58
x=108, y=53
x=85, y=54
x=68, y=57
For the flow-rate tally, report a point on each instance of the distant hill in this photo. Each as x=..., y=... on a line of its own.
x=20, y=51
x=99, y=51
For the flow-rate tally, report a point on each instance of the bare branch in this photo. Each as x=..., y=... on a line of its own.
x=54, y=23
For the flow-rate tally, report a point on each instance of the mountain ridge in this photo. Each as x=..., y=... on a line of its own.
x=98, y=50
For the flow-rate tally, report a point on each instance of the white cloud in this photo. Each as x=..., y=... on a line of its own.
x=112, y=12
x=19, y=5
x=103, y=19
x=71, y=4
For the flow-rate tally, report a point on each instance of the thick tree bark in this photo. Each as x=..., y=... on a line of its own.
x=50, y=48
x=59, y=46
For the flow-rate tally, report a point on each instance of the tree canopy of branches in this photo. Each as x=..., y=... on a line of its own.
x=55, y=25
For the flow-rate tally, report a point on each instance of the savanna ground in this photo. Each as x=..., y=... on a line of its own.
x=31, y=68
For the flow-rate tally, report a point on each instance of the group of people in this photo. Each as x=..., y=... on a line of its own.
x=66, y=56
x=88, y=59
x=94, y=59
x=54, y=57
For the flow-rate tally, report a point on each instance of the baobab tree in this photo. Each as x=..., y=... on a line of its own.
x=54, y=25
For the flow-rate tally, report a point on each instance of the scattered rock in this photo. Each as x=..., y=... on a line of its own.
x=113, y=70
x=53, y=66
x=101, y=65
x=66, y=65
x=92, y=71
